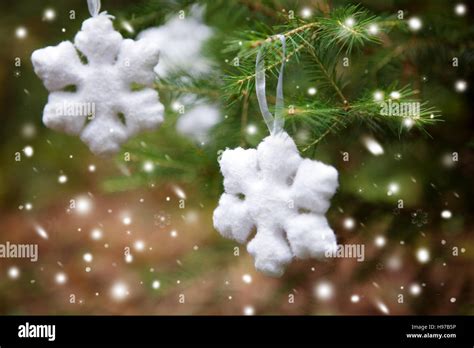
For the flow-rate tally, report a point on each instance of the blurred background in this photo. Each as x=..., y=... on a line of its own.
x=139, y=239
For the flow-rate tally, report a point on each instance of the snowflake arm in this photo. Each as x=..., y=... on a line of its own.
x=141, y=110
x=239, y=168
x=270, y=251
x=310, y=236
x=232, y=218
x=278, y=157
x=98, y=41
x=135, y=61
x=58, y=66
x=56, y=111
x=105, y=134
x=314, y=185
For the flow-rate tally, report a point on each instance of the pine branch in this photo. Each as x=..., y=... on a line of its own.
x=327, y=32
x=180, y=89
x=327, y=75
x=316, y=47
x=323, y=119
x=244, y=84
x=321, y=137
x=287, y=34
x=245, y=115
x=323, y=40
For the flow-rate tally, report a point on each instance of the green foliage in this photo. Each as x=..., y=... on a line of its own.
x=320, y=46
x=347, y=53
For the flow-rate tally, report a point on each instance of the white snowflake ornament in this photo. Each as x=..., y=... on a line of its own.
x=105, y=108
x=197, y=122
x=182, y=40
x=273, y=190
x=283, y=196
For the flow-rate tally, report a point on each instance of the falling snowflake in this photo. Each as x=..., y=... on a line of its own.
x=419, y=218
x=162, y=219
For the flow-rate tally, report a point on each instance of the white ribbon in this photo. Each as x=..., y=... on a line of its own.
x=274, y=123
x=94, y=7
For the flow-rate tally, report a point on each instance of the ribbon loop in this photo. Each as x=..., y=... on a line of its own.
x=94, y=7
x=275, y=123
